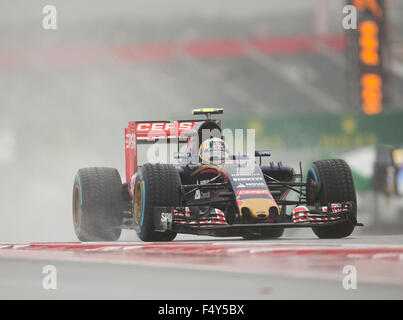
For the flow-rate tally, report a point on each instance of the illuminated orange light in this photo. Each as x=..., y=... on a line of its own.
x=369, y=58
x=369, y=28
x=371, y=80
x=371, y=5
x=369, y=43
x=371, y=93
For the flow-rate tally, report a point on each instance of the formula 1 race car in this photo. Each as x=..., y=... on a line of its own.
x=202, y=188
x=388, y=171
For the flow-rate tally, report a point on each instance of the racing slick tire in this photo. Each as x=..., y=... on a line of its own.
x=336, y=184
x=155, y=185
x=97, y=204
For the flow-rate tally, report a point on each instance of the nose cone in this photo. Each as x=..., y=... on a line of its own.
x=260, y=208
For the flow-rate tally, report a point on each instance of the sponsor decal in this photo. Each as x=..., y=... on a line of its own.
x=201, y=195
x=248, y=179
x=158, y=127
x=252, y=192
x=251, y=185
x=130, y=141
x=248, y=174
x=256, y=184
x=335, y=208
x=166, y=217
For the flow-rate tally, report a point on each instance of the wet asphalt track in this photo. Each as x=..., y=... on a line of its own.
x=192, y=279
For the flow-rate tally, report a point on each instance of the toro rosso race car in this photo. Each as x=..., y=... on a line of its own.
x=388, y=171
x=203, y=189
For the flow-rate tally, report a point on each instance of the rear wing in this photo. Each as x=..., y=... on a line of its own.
x=144, y=132
x=148, y=132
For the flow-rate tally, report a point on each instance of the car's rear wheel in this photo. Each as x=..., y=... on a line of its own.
x=336, y=184
x=97, y=204
x=155, y=185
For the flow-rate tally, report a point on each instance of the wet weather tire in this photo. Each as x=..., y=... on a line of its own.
x=155, y=185
x=97, y=204
x=336, y=184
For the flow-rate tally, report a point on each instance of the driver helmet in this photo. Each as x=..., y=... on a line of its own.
x=213, y=150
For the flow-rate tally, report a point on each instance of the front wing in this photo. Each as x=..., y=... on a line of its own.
x=179, y=220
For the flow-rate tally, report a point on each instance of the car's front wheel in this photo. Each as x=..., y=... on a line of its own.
x=336, y=185
x=155, y=185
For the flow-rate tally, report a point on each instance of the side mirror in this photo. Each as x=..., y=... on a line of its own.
x=262, y=153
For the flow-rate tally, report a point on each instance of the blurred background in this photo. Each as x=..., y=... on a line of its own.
x=288, y=69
